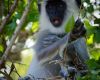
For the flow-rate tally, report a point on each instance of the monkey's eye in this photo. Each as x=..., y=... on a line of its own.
x=60, y=5
x=49, y=7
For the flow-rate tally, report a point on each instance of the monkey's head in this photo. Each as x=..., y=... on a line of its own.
x=54, y=14
x=55, y=10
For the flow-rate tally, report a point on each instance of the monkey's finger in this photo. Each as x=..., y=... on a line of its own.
x=78, y=23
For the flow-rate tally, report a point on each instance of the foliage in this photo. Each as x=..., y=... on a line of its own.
x=26, y=32
x=91, y=21
x=70, y=24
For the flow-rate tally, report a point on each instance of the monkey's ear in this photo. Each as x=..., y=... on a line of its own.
x=79, y=3
x=39, y=5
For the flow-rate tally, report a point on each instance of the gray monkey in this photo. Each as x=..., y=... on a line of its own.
x=52, y=41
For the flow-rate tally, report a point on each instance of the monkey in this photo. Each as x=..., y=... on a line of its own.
x=51, y=38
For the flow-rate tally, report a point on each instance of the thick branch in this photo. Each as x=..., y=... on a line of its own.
x=22, y=20
x=11, y=11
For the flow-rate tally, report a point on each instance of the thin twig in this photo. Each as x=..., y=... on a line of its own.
x=80, y=9
x=11, y=11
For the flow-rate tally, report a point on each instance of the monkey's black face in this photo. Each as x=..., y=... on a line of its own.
x=56, y=10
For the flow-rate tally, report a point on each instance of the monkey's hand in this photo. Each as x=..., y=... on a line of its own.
x=78, y=30
x=49, y=40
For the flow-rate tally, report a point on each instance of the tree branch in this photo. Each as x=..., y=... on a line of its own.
x=22, y=20
x=11, y=11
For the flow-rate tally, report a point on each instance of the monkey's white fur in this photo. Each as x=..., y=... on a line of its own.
x=36, y=69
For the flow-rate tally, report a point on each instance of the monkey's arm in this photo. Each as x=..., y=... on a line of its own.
x=77, y=32
x=80, y=44
x=48, y=52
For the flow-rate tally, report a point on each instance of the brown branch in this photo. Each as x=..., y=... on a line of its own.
x=22, y=20
x=6, y=76
x=11, y=11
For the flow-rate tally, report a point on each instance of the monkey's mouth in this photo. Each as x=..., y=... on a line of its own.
x=56, y=21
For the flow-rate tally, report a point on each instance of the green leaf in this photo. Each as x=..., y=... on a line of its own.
x=93, y=64
x=97, y=21
x=90, y=9
x=35, y=26
x=70, y=24
x=90, y=31
x=9, y=29
x=97, y=36
x=95, y=53
x=87, y=24
x=1, y=48
x=90, y=39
